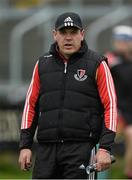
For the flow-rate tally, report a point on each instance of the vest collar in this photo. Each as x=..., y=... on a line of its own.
x=81, y=52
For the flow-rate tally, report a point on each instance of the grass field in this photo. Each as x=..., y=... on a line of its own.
x=9, y=168
x=117, y=170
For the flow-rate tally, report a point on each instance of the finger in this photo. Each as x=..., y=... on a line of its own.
x=28, y=166
x=106, y=166
x=28, y=159
x=103, y=166
x=98, y=167
x=28, y=163
x=23, y=165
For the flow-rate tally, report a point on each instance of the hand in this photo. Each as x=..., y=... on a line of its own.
x=25, y=159
x=103, y=160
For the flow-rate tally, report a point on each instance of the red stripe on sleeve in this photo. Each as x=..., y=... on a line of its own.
x=31, y=99
x=108, y=96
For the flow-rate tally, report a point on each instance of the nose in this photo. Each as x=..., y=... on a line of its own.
x=68, y=36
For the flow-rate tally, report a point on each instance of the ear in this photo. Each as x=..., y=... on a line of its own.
x=83, y=34
x=54, y=33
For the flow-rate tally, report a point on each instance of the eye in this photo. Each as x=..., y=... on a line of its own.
x=63, y=31
x=74, y=31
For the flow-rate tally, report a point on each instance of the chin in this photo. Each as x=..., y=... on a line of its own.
x=69, y=52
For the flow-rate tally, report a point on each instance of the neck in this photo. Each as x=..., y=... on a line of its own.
x=64, y=57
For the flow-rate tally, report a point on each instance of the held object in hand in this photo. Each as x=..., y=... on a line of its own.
x=91, y=168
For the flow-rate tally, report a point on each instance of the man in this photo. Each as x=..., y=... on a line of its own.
x=120, y=61
x=71, y=99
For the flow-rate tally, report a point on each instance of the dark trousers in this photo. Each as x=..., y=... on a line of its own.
x=62, y=160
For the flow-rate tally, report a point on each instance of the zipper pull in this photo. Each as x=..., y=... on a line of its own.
x=65, y=69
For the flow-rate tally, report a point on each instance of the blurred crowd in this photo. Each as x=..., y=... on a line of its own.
x=120, y=61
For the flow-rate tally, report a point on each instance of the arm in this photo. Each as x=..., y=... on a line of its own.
x=29, y=120
x=108, y=98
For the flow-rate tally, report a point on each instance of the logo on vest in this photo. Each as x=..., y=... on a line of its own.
x=80, y=76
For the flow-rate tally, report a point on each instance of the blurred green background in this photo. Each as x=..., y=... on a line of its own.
x=9, y=167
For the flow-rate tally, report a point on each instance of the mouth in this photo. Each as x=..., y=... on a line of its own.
x=68, y=45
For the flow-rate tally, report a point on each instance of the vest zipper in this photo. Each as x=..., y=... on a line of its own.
x=65, y=68
x=60, y=127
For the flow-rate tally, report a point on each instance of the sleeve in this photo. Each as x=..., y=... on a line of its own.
x=108, y=98
x=31, y=111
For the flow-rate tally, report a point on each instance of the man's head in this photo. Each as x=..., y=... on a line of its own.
x=122, y=39
x=68, y=33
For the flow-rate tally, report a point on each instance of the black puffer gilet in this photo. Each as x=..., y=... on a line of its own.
x=70, y=107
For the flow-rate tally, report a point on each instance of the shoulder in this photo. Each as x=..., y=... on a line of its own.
x=46, y=56
x=44, y=61
x=95, y=57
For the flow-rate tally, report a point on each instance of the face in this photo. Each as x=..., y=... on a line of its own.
x=124, y=48
x=68, y=40
x=121, y=46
